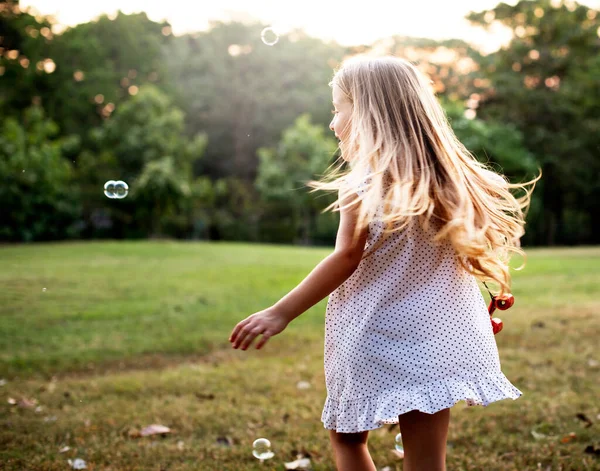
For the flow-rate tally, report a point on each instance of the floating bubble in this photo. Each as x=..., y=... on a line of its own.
x=121, y=189
x=116, y=189
x=269, y=36
x=109, y=188
x=399, y=445
x=261, y=449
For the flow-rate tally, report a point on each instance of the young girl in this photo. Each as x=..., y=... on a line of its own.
x=407, y=330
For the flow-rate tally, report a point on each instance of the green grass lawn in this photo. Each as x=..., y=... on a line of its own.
x=110, y=337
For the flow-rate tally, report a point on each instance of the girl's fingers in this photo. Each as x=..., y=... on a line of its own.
x=236, y=330
x=233, y=333
x=243, y=332
x=247, y=342
x=239, y=339
x=251, y=335
x=264, y=339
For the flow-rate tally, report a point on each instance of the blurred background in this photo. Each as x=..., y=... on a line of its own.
x=130, y=128
x=214, y=123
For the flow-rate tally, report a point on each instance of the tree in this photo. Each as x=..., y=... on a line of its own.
x=142, y=144
x=501, y=146
x=301, y=155
x=492, y=142
x=161, y=187
x=452, y=64
x=26, y=64
x=39, y=197
x=100, y=64
x=244, y=93
x=545, y=82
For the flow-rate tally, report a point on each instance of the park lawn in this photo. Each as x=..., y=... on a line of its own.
x=128, y=334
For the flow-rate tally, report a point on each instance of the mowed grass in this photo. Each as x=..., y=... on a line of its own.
x=128, y=334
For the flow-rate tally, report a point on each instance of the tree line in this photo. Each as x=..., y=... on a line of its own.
x=215, y=132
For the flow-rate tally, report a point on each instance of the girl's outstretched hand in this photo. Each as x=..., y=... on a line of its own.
x=267, y=322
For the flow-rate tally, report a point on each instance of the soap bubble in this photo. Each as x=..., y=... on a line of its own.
x=109, y=188
x=261, y=449
x=121, y=189
x=269, y=36
x=399, y=446
x=116, y=189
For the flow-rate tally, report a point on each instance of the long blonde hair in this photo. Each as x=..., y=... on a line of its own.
x=401, y=146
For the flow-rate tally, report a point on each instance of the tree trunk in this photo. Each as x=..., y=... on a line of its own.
x=306, y=239
x=553, y=205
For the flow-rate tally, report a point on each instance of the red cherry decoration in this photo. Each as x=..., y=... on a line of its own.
x=505, y=301
x=496, y=325
x=501, y=302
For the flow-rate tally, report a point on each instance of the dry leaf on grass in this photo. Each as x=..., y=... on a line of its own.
x=225, y=441
x=27, y=403
x=133, y=433
x=154, y=429
x=568, y=438
x=78, y=463
x=590, y=449
x=584, y=418
x=299, y=464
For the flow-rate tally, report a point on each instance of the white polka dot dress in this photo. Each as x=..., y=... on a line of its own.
x=409, y=329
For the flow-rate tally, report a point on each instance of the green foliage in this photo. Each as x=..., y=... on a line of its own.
x=145, y=128
x=99, y=65
x=545, y=83
x=302, y=154
x=39, y=197
x=502, y=146
x=161, y=188
x=26, y=44
x=143, y=145
x=245, y=93
x=130, y=100
x=452, y=64
x=493, y=142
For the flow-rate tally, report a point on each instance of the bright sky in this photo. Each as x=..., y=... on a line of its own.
x=335, y=19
